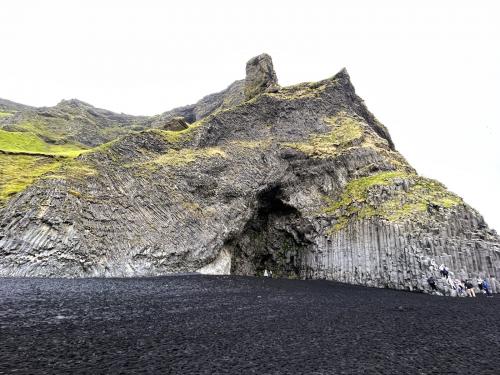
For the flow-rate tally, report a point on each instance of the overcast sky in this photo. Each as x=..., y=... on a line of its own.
x=429, y=71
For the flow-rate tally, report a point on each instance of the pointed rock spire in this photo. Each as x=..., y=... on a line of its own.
x=260, y=76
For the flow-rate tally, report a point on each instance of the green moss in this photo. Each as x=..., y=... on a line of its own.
x=346, y=130
x=305, y=90
x=29, y=143
x=5, y=114
x=17, y=172
x=186, y=156
x=423, y=193
x=73, y=169
x=55, y=131
x=353, y=204
x=75, y=193
x=172, y=136
x=356, y=191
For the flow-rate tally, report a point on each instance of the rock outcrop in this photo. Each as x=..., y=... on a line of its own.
x=303, y=181
x=260, y=76
x=230, y=97
x=175, y=124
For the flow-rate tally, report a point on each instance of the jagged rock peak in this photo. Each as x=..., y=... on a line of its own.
x=260, y=76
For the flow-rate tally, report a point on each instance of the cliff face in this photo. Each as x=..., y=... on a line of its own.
x=302, y=180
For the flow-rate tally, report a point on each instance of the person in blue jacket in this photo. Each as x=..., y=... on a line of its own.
x=486, y=287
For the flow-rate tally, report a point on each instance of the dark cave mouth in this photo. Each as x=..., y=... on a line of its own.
x=271, y=240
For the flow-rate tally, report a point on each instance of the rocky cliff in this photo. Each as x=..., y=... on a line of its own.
x=302, y=180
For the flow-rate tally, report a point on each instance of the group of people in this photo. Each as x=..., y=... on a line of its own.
x=268, y=273
x=462, y=287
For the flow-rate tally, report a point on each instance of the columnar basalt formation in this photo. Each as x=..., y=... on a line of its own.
x=300, y=180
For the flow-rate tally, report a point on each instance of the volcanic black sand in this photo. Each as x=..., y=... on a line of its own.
x=238, y=325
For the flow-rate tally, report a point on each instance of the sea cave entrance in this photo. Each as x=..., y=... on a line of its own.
x=273, y=239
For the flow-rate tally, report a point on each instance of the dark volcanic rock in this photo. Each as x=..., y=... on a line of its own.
x=260, y=76
x=230, y=97
x=303, y=181
x=175, y=124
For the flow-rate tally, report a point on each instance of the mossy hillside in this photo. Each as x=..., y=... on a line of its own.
x=186, y=156
x=5, y=114
x=178, y=136
x=174, y=139
x=73, y=169
x=306, y=90
x=56, y=131
x=25, y=158
x=398, y=204
x=65, y=127
x=346, y=130
x=63, y=130
x=29, y=143
x=17, y=172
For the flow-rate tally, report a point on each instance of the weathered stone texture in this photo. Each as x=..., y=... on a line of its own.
x=260, y=76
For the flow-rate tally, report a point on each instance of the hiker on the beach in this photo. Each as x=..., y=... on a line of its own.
x=487, y=289
x=432, y=283
x=470, y=288
x=270, y=274
x=265, y=273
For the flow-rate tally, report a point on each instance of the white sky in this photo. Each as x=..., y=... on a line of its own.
x=429, y=70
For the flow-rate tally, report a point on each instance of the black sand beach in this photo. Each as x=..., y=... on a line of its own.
x=227, y=325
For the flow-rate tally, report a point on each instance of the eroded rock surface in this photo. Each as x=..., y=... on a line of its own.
x=260, y=76
x=176, y=123
x=303, y=181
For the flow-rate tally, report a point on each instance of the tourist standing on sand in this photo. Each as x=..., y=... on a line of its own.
x=470, y=288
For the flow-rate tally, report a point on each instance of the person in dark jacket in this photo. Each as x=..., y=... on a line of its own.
x=469, y=287
x=432, y=283
x=480, y=285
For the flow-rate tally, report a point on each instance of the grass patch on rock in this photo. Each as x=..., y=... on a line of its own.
x=17, y=172
x=30, y=143
x=187, y=156
x=390, y=195
x=306, y=90
x=346, y=130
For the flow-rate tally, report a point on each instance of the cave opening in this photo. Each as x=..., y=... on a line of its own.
x=273, y=239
